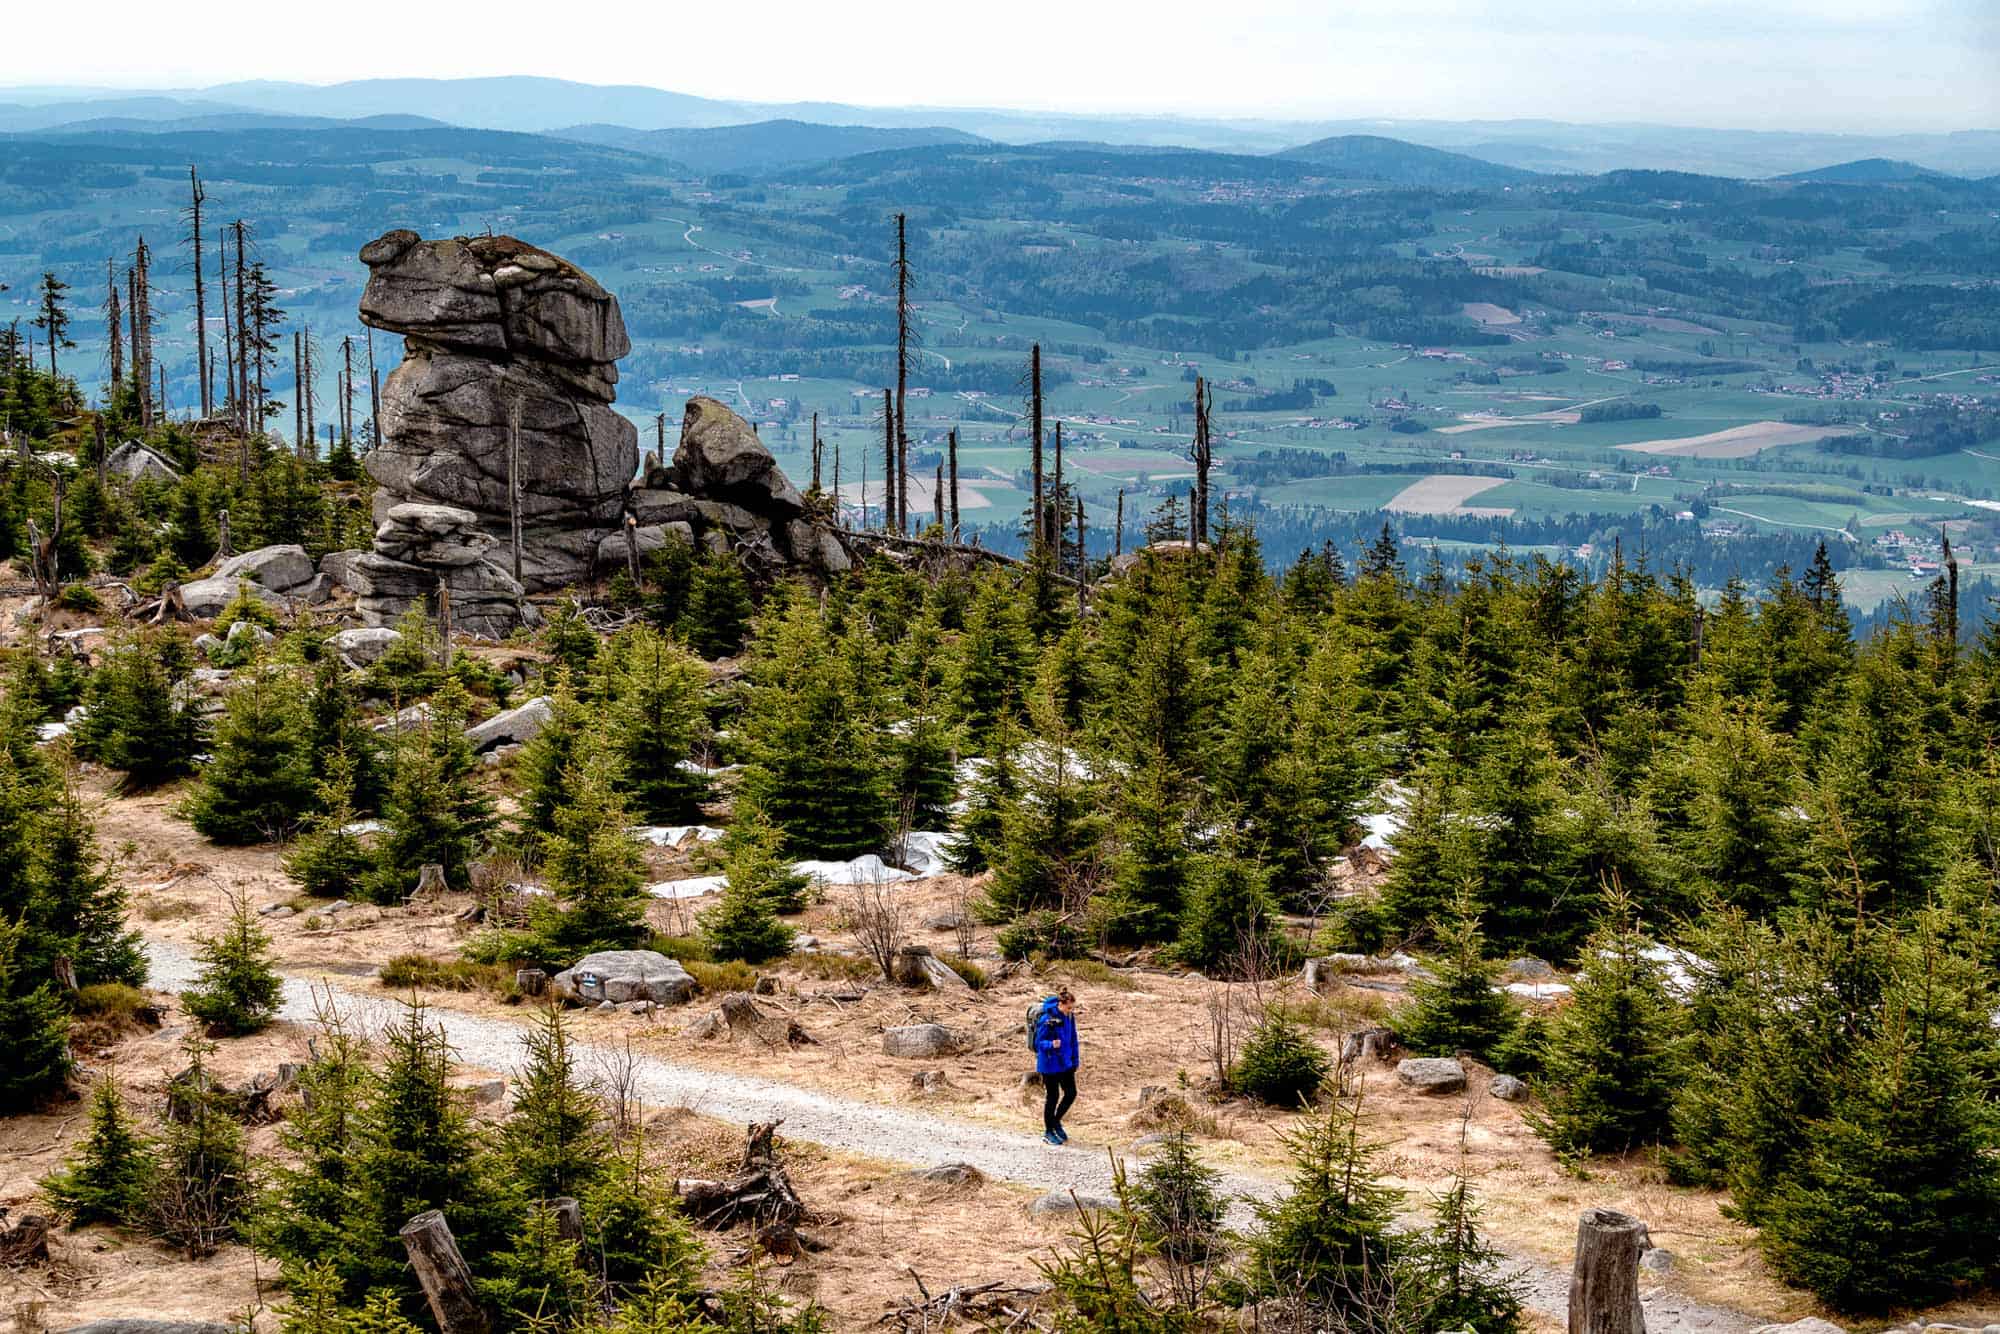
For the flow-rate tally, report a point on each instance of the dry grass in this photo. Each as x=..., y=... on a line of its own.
x=1445, y=493
x=1738, y=442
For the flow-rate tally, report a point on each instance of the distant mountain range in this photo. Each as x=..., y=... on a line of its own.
x=1868, y=171
x=595, y=112
x=764, y=146
x=1372, y=157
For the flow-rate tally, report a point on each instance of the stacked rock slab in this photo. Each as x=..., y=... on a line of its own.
x=498, y=336
x=726, y=492
x=422, y=548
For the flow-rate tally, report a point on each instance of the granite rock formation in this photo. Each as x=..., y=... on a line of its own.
x=494, y=329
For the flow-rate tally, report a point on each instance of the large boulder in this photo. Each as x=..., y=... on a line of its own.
x=431, y=535
x=491, y=294
x=205, y=598
x=134, y=460
x=280, y=569
x=363, y=646
x=485, y=600
x=516, y=726
x=920, y=1041
x=619, y=976
x=1431, y=1075
x=721, y=458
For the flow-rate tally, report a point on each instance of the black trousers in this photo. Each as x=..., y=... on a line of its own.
x=1059, y=1093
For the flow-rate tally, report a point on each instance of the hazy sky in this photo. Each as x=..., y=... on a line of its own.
x=1779, y=64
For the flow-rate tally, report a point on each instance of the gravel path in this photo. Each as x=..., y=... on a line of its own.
x=892, y=1134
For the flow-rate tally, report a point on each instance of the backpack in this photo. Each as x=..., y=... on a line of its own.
x=1037, y=1012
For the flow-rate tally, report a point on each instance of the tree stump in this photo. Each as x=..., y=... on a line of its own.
x=1604, y=1285
x=26, y=1243
x=760, y=1192
x=531, y=981
x=430, y=880
x=443, y=1274
x=569, y=1217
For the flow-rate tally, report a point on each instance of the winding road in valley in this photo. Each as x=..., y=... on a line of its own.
x=889, y=1134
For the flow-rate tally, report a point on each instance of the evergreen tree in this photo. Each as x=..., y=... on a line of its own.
x=34, y=1030
x=635, y=1233
x=335, y=733
x=655, y=716
x=1179, y=1202
x=435, y=810
x=303, y=1217
x=1458, y=1280
x=1611, y=1064
x=142, y=716
x=546, y=763
x=921, y=772
x=813, y=754
x=1151, y=866
x=718, y=607
x=204, y=1182
x=259, y=782
x=1230, y=910
x=76, y=906
x=415, y=1149
x=1456, y=1008
x=988, y=663
x=330, y=861
x=538, y=1281
x=237, y=991
x=592, y=867
x=109, y=1178
x=759, y=883
x=1326, y=1242
x=1051, y=835
x=554, y=1143
x=978, y=830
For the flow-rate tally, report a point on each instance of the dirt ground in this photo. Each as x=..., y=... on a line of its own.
x=1738, y=442
x=1141, y=1028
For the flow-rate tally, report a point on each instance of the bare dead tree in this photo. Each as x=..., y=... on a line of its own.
x=347, y=391
x=815, y=450
x=114, y=323
x=1202, y=456
x=1035, y=433
x=301, y=433
x=937, y=497
x=890, y=519
x=514, y=484
x=875, y=916
x=1057, y=519
x=374, y=396
x=243, y=400
x=1118, y=528
x=196, y=198
x=235, y=405
x=951, y=461
x=903, y=353
x=1082, y=561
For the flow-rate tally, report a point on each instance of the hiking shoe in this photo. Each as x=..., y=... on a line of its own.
x=1062, y=1136
x=1049, y=1137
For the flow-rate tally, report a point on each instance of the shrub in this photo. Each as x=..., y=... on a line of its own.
x=1180, y=1208
x=1456, y=1008
x=78, y=597
x=1042, y=933
x=111, y=999
x=1327, y=1239
x=1231, y=903
x=110, y=1176
x=259, y=781
x=204, y=1181
x=717, y=978
x=760, y=884
x=237, y=990
x=1279, y=1064
x=34, y=1032
x=420, y=971
x=974, y=975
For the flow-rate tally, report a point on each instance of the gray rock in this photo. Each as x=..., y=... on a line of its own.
x=134, y=460
x=611, y=548
x=1061, y=1202
x=363, y=646
x=207, y=645
x=516, y=726
x=1431, y=1074
x=205, y=598
x=243, y=630
x=720, y=457
x=1656, y=1260
x=487, y=1092
x=338, y=566
x=951, y=1174
x=944, y=921
x=650, y=505
x=1530, y=968
x=921, y=1041
x=448, y=292
x=1507, y=1088
x=280, y=569
x=618, y=976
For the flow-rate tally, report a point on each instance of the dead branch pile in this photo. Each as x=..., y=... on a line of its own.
x=999, y=1303
x=759, y=1192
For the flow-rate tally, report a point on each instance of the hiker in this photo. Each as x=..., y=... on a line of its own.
x=1055, y=1061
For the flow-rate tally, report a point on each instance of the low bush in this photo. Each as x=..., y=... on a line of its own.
x=1279, y=1065
x=112, y=1000
x=78, y=597
x=974, y=975
x=1044, y=933
x=423, y=972
x=716, y=978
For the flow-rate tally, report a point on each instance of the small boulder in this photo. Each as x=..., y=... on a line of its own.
x=135, y=461
x=617, y=976
x=205, y=598
x=516, y=726
x=1507, y=1088
x=363, y=646
x=1812, y=1324
x=1656, y=1260
x=1062, y=1202
x=921, y=1041
x=1432, y=1074
x=1529, y=967
x=951, y=1174
x=280, y=568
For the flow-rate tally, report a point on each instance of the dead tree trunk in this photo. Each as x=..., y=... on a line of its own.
x=951, y=461
x=815, y=450
x=1950, y=596
x=889, y=516
x=374, y=397
x=223, y=548
x=1202, y=457
x=308, y=396
x=243, y=402
x=443, y=1274
x=1082, y=561
x=114, y=323
x=569, y=1217
x=1118, y=528
x=299, y=429
x=196, y=198
x=514, y=486
x=1035, y=432
x=142, y=329
x=902, y=379
x=1058, y=520
x=759, y=1192
x=1604, y=1286
x=228, y=332
x=937, y=497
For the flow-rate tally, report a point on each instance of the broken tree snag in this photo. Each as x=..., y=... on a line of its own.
x=430, y=880
x=569, y=1217
x=443, y=1274
x=531, y=981
x=760, y=1192
x=26, y=1243
x=1604, y=1286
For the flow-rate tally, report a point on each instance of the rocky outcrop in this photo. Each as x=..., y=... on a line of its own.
x=485, y=600
x=499, y=337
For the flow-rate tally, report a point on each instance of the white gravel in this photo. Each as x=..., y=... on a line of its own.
x=891, y=1134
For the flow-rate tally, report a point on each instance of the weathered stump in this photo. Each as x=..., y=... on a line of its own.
x=430, y=880
x=1604, y=1285
x=443, y=1274
x=760, y=1192
x=530, y=981
x=26, y=1243
x=569, y=1217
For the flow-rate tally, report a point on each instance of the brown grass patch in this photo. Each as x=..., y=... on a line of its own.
x=1738, y=442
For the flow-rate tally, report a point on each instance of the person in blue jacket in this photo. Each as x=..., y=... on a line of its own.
x=1056, y=1061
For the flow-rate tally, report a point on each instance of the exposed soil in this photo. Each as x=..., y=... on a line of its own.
x=1739, y=442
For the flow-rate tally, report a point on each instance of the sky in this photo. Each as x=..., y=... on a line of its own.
x=1836, y=65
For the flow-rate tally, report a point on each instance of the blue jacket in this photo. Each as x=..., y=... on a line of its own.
x=1055, y=1041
